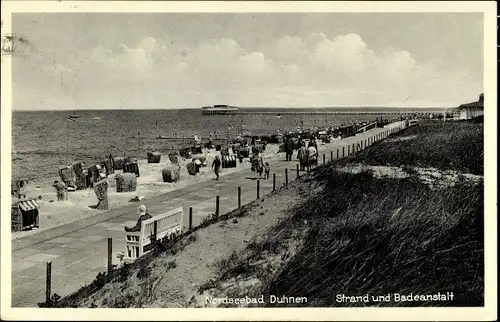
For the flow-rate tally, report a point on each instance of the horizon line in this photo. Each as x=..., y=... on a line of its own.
x=246, y=107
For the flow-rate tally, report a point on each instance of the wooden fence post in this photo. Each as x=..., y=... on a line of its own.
x=331, y=156
x=110, y=253
x=323, y=159
x=298, y=173
x=155, y=231
x=239, y=197
x=217, y=207
x=48, y=282
x=258, y=189
x=348, y=150
x=274, y=181
x=286, y=176
x=337, y=154
x=190, y=218
x=343, y=152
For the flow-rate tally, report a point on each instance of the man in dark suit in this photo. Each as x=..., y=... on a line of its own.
x=289, y=145
x=143, y=213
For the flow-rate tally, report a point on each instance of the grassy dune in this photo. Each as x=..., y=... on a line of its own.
x=444, y=145
x=380, y=236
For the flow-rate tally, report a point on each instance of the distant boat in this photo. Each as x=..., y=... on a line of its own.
x=98, y=118
x=74, y=116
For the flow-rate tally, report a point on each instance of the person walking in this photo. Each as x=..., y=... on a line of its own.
x=267, y=169
x=260, y=166
x=60, y=190
x=302, y=156
x=255, y=163
x=289, y=149
x=312, y=156
x=216, y=165
x=313, y=143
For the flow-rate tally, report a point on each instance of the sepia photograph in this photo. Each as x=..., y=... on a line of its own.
x=253, y=155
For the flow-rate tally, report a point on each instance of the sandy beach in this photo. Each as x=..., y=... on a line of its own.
x=149, y=184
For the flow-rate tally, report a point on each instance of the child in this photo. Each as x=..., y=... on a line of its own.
x=267, y=169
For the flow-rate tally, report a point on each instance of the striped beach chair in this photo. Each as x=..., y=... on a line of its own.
x=229, y=161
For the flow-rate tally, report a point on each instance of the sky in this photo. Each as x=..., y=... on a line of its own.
x=171, y=60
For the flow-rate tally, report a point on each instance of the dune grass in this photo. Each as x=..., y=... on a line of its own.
x=444, y=145
x=379, y=236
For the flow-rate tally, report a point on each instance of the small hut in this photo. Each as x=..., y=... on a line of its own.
x=17, y=187
x=201, y=158
x=235, y=147
x=244, y=152
x=78, y=168
x=171, y=173
x=101, y=191
x=154, y=157
x=119, y=162
x=125, y=182
x=68, y=176
x=93, y=174
x=81, y=176
x=191, y=167
x=197, y=149
x=131, y=167
x=109, y=164
x=24, y=214
x=229, y=161
x=224, y=150
x=185, y=153
x=174, y=157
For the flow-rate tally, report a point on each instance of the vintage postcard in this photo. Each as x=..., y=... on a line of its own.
x=248, y=160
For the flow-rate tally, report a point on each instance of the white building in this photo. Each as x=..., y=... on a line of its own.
x=470, y=110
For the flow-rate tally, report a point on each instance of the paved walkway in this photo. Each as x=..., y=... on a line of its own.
x=78, y=251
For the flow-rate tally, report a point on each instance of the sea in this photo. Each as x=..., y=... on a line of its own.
x=43, y=141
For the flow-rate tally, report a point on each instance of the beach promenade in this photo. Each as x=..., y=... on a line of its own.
x=78, y=251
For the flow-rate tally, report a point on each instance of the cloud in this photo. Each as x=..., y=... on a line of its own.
x=314, y=70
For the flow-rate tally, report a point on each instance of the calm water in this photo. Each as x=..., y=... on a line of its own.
x=39, y=139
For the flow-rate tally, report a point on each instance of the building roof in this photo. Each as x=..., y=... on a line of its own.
x=479, y=104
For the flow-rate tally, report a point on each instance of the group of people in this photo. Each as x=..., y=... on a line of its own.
x=258, y=166
x=307, y=153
